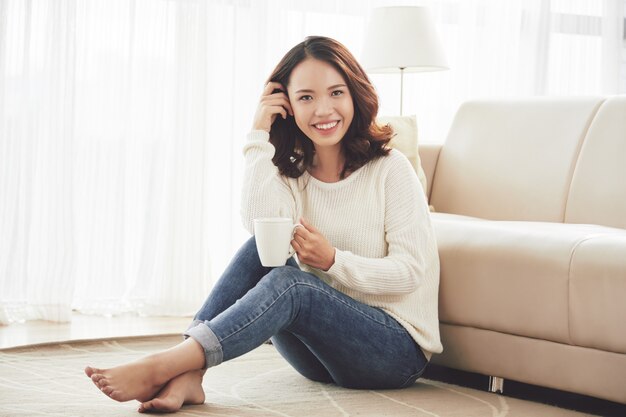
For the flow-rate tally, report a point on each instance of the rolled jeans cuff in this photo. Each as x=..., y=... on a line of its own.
x=201, y=333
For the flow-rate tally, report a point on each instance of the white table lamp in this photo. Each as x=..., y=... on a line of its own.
x=402, y=39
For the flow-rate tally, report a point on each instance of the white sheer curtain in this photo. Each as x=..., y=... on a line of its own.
x=122, y=123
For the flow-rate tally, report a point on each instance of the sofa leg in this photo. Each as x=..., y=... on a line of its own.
x=496, y=384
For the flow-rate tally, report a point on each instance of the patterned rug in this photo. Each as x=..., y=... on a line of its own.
x=49, y=381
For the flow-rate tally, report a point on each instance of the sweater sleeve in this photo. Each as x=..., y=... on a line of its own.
x=265, y=192
x=408, y=233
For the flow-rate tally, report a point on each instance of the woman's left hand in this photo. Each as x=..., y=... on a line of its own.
x=312, y=247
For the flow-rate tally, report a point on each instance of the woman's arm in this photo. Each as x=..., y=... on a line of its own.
x=411, y=241
x=265, y=192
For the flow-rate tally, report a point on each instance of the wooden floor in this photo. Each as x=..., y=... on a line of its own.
x=88, y=327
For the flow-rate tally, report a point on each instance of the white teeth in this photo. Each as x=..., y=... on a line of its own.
x=326, y=126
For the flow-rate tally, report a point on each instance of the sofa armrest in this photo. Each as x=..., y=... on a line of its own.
x=429, y=155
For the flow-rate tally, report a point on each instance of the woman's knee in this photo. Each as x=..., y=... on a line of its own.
x=289, y=276
x=249, y=245
x=248, y=254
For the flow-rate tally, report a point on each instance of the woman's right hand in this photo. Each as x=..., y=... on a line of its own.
x=270, y=106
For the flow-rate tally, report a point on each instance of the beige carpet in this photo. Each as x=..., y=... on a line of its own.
x=49, y=381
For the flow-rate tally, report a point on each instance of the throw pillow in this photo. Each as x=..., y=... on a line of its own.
x=405, y=140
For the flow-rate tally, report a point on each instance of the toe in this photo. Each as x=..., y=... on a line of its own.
x=162, y=405
x=94, y=370
x=115, y=395
x=145, y=406
x=107, y=390
x=100, y=380
x=89, y=371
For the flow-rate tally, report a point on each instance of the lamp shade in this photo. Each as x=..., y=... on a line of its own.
x=402, y=37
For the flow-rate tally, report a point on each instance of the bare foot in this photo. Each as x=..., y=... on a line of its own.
x=143, y=379
x=138, y=380
x=184, y=389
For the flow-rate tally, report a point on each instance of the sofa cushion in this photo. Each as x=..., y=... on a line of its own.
x=512, y=159
x=597, y=293
x=598, y=190
x=511, y=277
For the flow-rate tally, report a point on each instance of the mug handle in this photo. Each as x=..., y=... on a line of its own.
x=292, y=251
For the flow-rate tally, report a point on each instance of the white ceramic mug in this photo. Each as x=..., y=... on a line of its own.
x=273, y=239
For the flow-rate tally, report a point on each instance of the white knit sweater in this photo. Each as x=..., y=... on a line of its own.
x=378, y=221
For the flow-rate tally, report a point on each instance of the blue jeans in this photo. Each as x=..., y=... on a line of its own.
x=324, y=334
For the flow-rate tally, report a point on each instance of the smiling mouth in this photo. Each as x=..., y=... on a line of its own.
x=326, y=126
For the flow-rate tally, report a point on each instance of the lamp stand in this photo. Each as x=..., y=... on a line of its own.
x=401, y=87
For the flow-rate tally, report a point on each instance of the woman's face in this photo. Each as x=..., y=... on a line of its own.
x=321, y=102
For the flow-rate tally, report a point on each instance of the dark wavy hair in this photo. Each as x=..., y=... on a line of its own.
x=364, y=140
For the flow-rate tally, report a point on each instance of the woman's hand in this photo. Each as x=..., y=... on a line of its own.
x=270, y=105
x=312, y=247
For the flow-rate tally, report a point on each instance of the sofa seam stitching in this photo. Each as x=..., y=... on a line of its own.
x=569, y=281
x=577, y=158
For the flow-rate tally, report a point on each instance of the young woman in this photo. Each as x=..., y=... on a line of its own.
x=359, y=308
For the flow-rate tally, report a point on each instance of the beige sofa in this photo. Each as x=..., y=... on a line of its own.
x=530, y=215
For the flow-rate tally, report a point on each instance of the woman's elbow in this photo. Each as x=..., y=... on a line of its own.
x=417, y=271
